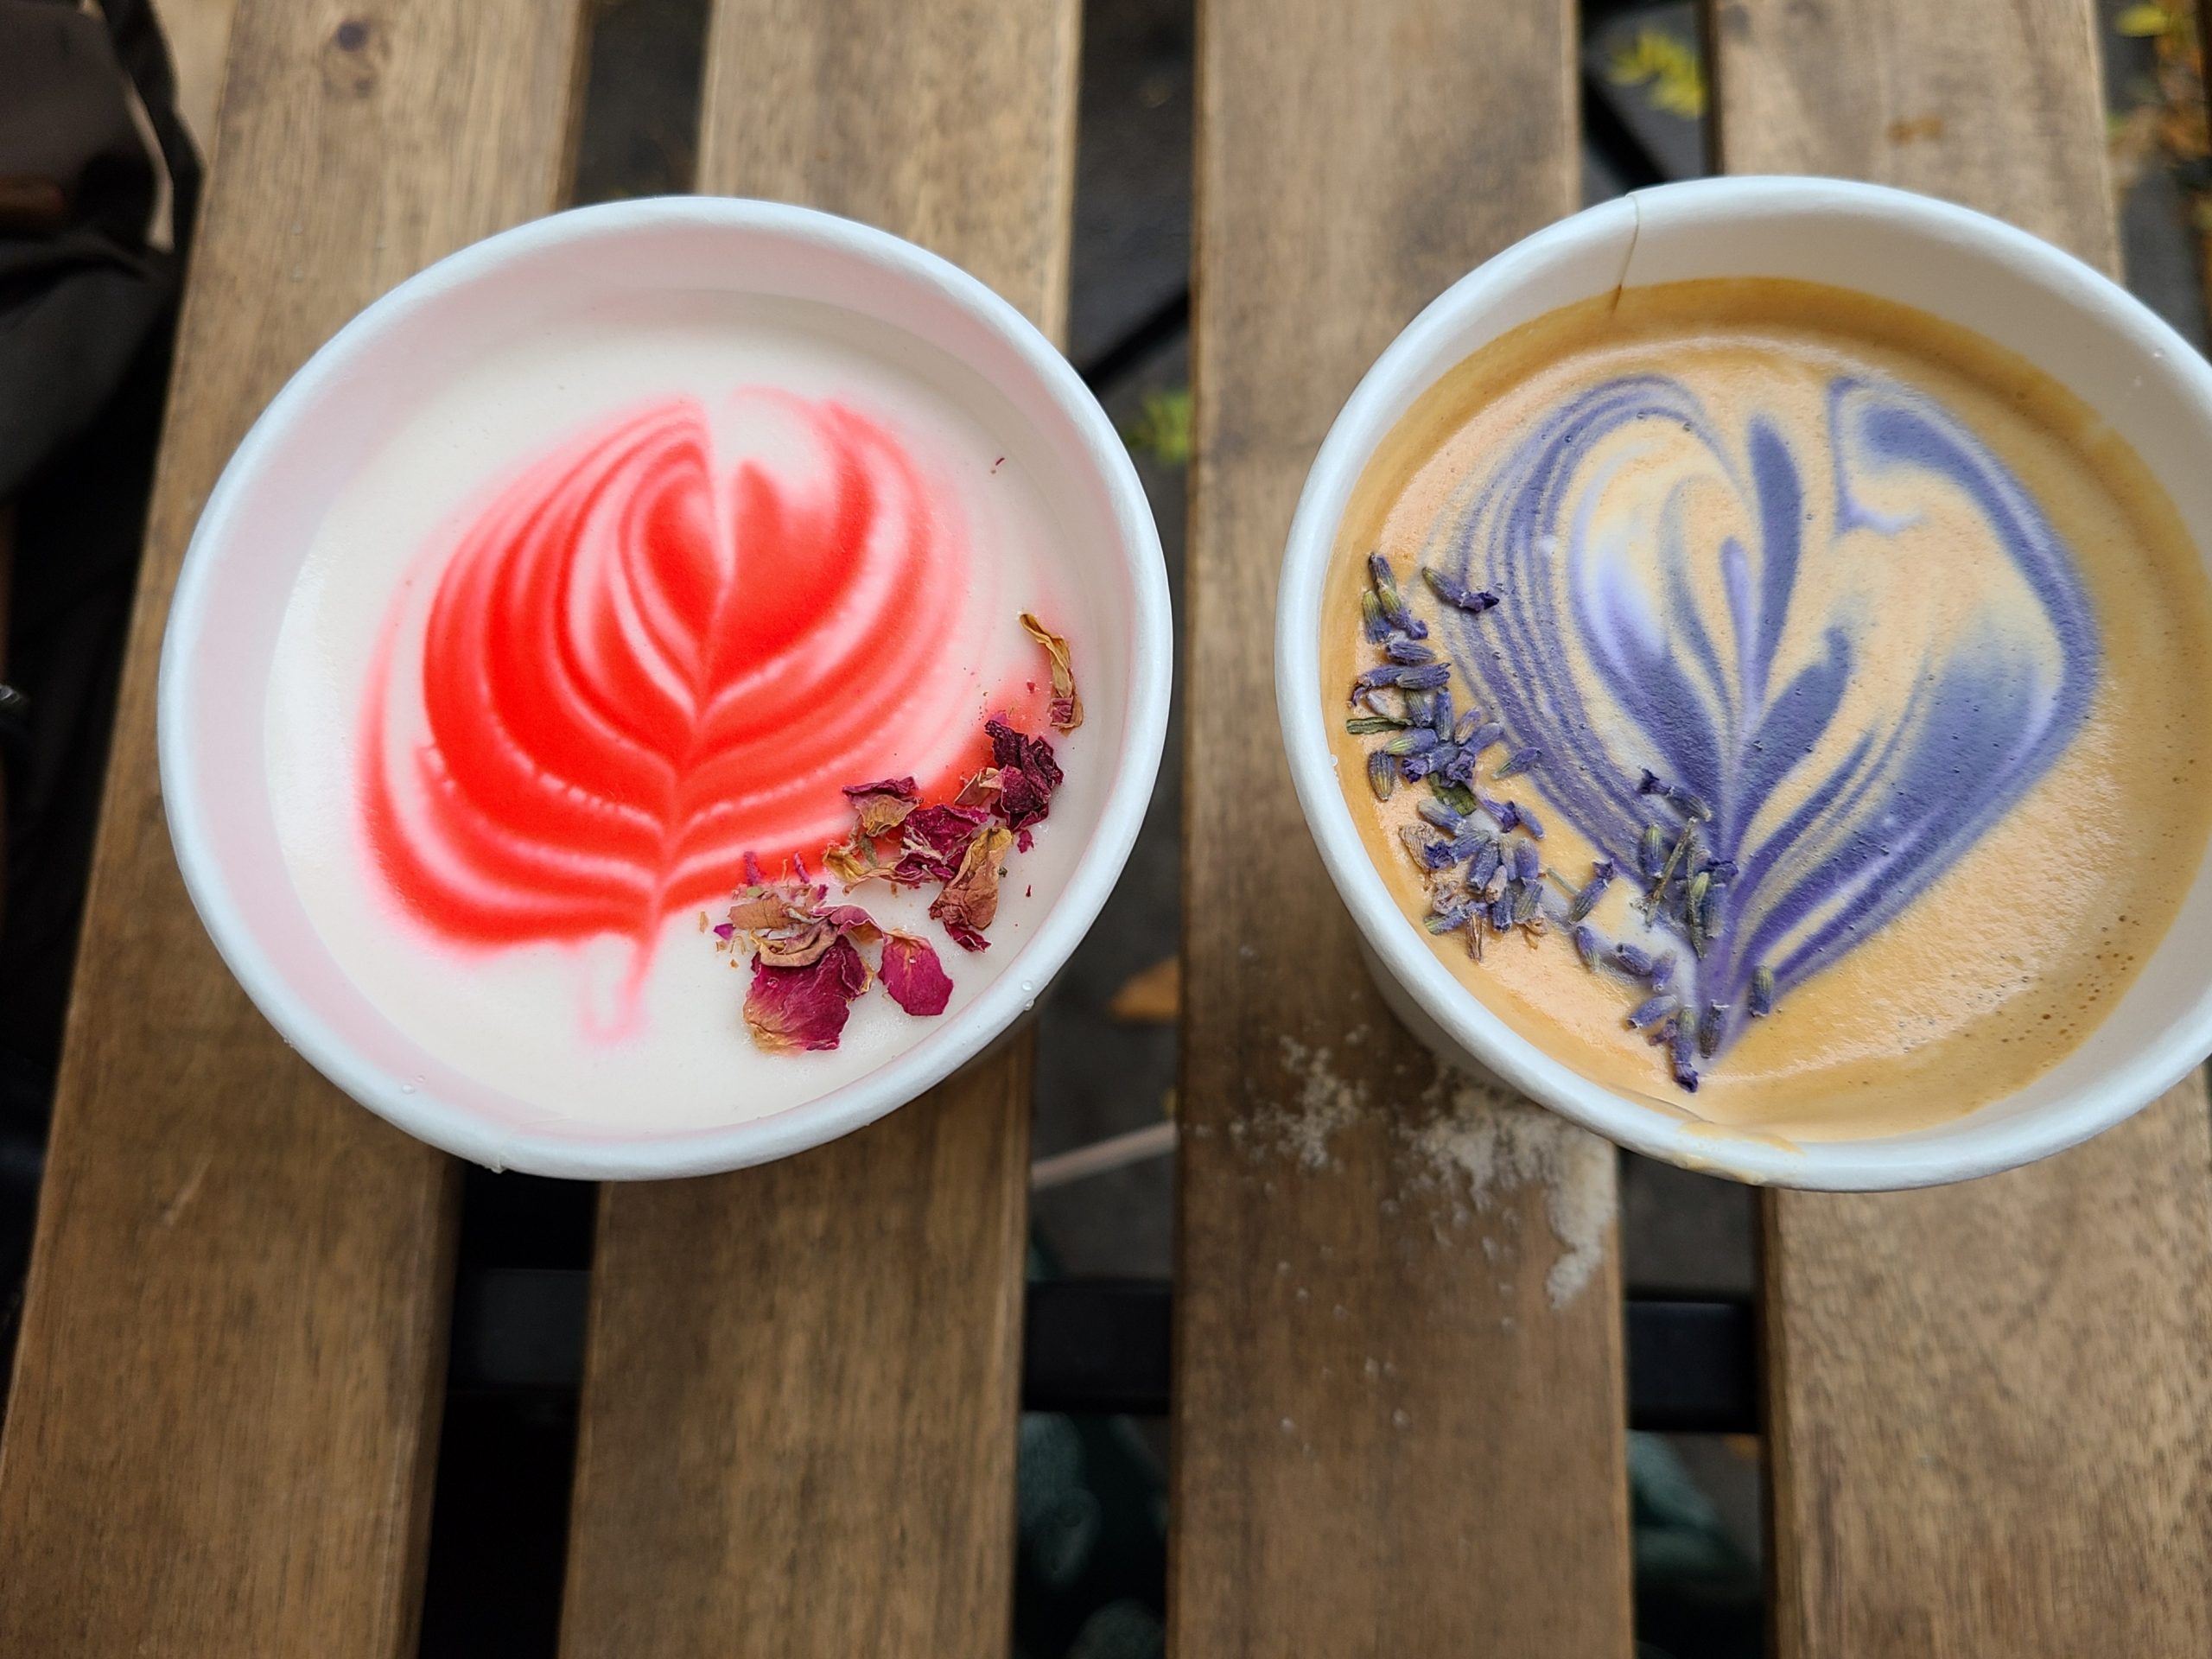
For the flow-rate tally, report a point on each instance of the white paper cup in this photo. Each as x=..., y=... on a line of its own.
x=239, y=570
x=2074, y=324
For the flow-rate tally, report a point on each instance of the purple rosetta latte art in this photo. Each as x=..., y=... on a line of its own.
x=1725, y=651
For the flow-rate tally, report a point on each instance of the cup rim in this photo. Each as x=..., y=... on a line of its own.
x=912, y=1070
x=1958, y=1150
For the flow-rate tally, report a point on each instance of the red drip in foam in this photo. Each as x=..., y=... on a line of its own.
x=634, y=670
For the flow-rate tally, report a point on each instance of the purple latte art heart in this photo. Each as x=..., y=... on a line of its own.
x=1846, y=676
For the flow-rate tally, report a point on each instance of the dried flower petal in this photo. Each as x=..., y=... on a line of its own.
x=1530, y=821
x=1425, y=677
x=788, y=1010
x=1065, y=711
x=1484, y=736
x=937, y=838
x=1518, y=762
x=1633, y=958
x=912, y=975
x=1489, y=858
x=970, y=902
x=1402, y=650
x=1651, y=1009
x=1028, y=774
x=1501, y=915
x=1528, y=863
x=1585, y=945
x=1662, y=971
x=883, y=806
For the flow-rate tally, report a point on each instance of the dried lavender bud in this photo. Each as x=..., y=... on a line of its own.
x=1415, y=767
x=1484, y=736
x=1382, y=775
x=1602, y=868
x=1531, y=895
x=1586, y=900
x=1501, y=915
x=1368, y=725
x=1418, y=740
x=1497, y=882
x=1585, y=945
x=1651, y=1009
x=1460, y=800
x=1662, y=971
x=1683, y=848
x=1392, y=602
x=1372, y=622
x=1429, y=854
x=1470, y=723
x=1419, y=706
x=1528, y=863
x=1712, y=1028
x=1488, y=862
x=1373, y=679
x=1530, y=821
x=1460, y=768
x=1507, y=814
x=1456, y=594
x=1518, y=762
x=1652, y=784
x=1440, y=814
x=1377, y=702
x=1686, y=1076
x=1636, y=961
x=1709, y=913
x=1691, y=806
x=1664, y=1031
x=1469, y=843
x=1441, y=715
x=1694, y=911
x=1763, y=992
x=1444, y=752
x=1684, y=1050
x=1427, y=677
x=1651, y=851
x=1405, y=650
x=1448, y=917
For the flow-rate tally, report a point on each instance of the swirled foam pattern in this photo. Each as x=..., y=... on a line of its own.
x=1921, y=634
x=1674, y=604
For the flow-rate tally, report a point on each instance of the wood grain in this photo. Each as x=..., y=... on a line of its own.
x=223, y=1419
x=1988, y=1402
x=802, y=1380
x=199, y=34
x=1388, y=1439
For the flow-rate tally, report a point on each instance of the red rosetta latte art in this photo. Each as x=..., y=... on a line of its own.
x=637, y=666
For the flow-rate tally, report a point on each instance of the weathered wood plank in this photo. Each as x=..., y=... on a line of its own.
x=224, y=1414
x=802, y=1380
x=1392, y=1436
x=1988, y=1402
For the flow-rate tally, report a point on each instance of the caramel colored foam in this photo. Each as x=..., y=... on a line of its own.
x=2023, y=945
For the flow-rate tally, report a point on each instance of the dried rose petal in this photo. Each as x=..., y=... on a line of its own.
x=937, y=839
x=966, y=937
x=971, y=900
x=1066, y=711
x=852, y=862
x=791, y=1009
x=1027, y=774
x=978, y=790
x=914, y=976
x=883, y=806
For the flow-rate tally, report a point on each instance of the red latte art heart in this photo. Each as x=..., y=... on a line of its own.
x=635, y=669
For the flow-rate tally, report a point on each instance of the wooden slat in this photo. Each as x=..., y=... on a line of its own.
x=1989, y=1403
x=199, y=34
x=223, y=1419
x=1387, y=1438
x=802, y=1380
